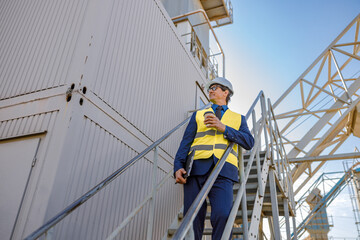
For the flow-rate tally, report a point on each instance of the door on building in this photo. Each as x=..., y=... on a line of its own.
x=16, y=161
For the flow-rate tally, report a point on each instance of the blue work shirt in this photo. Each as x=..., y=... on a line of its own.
x=241, y=136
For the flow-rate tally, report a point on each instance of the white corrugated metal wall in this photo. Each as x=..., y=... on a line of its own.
x=37, y=42
x=140, y=83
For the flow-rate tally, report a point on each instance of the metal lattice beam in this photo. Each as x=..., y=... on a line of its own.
x=324, y=97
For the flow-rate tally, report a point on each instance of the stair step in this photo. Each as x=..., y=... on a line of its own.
x=253, y=169
x=247, y=155
x=267, y=207
x=238, y=214
x=251, y=193
x=250, y=197
x=207, y=231
x=208, y=214
x=253, y=166
x=252, y=178
x=249, y=186
x=236, y=231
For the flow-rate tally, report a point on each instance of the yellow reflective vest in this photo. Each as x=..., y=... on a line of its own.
x=209, y=141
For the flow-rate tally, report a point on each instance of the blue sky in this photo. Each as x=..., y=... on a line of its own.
x=270, y=44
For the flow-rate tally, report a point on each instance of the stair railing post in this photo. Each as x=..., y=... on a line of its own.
x=291, y=190
x=283, y=166
x=263, y=113
x=279, y=149
x=286, y=163
x=49, y=234
x=271, y=227
x=258, y=166
x=292, y=197
x=294, y=228
x=152, y=200
x=243, y=199
x=241, y=191
x=278, y=156
x=287, y=174
x=276, y=140
x=274, y=204
x=287, y=178
x=271, y=133
x=287, y=219
x=261, y=231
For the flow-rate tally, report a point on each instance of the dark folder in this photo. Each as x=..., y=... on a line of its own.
x=189, y=163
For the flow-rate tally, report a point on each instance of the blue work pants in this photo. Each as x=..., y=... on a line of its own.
x=221, y=200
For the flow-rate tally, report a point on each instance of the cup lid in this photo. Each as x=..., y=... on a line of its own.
x=207, y=112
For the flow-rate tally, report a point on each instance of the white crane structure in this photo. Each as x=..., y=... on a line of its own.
x=320, y=110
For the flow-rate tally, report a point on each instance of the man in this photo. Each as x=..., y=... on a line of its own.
x=209, y=137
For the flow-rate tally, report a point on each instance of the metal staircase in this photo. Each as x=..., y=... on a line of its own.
x=265, y=188
x=252, y=188
x=256, y=206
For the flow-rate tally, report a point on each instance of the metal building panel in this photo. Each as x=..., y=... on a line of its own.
x=28, y=125
x=99, y=154
x=38, y=39
x=144, y=72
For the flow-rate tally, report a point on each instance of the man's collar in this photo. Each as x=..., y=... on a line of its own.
x=214, y=106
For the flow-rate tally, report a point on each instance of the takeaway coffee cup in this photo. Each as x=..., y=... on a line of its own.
x=208, y=113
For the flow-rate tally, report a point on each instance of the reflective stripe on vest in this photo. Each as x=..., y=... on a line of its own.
x=209, y=141
x=211, y=147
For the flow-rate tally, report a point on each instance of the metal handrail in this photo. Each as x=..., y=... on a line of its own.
x=283, y=172
x=282, y=169
x=261, y=93
x=280, y=166
x=137, y=209
x=285, y=166
x=200, y=198
x=202, y=11
x=77, y=203
x=282, y=149
x=211, y=65
x=245, y=174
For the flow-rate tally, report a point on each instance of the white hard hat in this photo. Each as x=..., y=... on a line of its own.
x=221, y=81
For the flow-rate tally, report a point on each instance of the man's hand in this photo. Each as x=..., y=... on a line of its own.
x=179, y=176
x=213, y=121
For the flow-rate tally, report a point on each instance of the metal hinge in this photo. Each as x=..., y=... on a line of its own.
x=33, y=162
